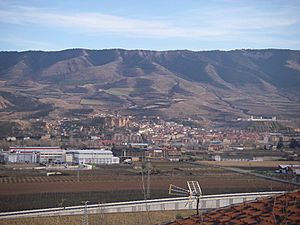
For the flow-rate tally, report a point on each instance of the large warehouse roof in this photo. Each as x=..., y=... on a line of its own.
x=92, y=151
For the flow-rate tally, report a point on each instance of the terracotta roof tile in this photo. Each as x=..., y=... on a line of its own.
x=277, y=210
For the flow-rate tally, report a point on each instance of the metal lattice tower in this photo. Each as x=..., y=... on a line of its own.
x=85, y=220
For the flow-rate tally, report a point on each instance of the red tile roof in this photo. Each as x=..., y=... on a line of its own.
x=277, y=210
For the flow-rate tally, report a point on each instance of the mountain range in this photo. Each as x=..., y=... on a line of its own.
x=205, y=85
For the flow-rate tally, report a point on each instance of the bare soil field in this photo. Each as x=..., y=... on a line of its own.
x=27, y=189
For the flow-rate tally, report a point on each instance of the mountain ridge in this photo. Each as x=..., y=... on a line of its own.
x=208, y=85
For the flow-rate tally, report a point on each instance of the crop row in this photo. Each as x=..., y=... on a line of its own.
x=45, y=179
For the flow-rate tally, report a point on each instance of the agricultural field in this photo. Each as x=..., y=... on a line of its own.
x=29, y=188
x=91, y=102
x=120, y=91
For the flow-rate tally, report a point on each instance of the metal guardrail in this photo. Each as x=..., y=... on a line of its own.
x=182, y=203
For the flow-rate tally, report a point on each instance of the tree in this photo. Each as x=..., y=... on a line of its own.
x=280, y=144
x=294, y=143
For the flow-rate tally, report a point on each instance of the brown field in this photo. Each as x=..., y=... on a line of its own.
x=24, y=189
x=252, y=163
x=104, y=219
x=125, y=178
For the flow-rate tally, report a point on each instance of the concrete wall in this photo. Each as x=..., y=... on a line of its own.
x=185, y=203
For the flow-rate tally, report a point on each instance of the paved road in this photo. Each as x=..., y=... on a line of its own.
x=238, y=170
x=242, y=171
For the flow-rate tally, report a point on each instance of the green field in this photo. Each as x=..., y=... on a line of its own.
x=91, y=102
x=119, y=91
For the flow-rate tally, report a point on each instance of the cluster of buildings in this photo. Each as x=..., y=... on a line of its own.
x=260, y=118
x=91, y=127
x=135, y=152
x=150, y=138
x=57, y=155
x=119, y=130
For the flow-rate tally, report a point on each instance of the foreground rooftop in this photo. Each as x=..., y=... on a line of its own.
x=278, y=209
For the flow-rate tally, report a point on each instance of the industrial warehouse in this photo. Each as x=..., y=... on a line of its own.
x=93, y=157
x=48, y=155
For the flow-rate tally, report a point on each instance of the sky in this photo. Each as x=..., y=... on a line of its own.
x=150, y=24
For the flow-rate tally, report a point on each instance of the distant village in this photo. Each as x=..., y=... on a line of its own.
x=108, y=139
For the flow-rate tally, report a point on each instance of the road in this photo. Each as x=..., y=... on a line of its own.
x=247, y=172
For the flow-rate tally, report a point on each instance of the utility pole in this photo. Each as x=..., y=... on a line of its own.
x=148, y=179
x=78, y=177
x=198, y=201
x=85, y=220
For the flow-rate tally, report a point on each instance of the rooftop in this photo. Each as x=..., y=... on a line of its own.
x=91, y=151
x=279, y=209
x=33, y=148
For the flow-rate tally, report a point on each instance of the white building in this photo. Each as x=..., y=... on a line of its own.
x=35, y=155
x=69, y=158
x=51, y=156
x=23, y=157
x=262, y=118
x=93, y=156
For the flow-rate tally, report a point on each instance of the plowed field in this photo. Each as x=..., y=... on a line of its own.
x=23, y=189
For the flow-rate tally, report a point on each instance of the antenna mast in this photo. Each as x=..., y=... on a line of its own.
x=194, y=190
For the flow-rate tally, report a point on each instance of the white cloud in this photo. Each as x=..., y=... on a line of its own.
x=214, y=24
x=245, y=18
x=101, y=23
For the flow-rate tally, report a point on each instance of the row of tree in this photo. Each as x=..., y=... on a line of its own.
x=292, y=144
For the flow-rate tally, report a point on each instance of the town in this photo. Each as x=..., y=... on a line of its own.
x=145, y=138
